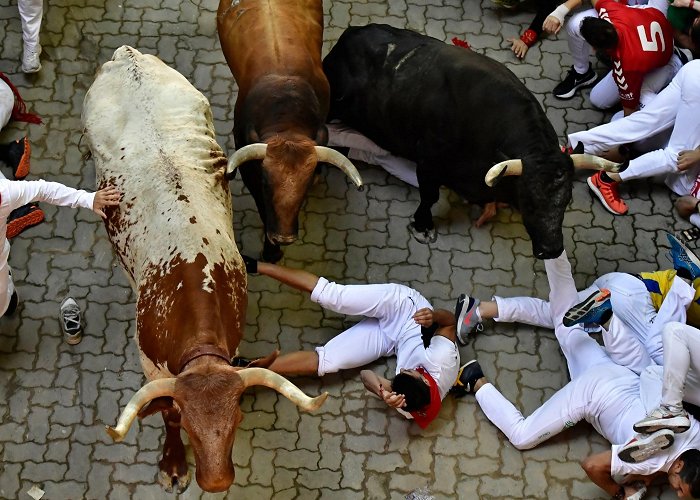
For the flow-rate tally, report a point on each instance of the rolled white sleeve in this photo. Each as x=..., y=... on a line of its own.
x=16, y=194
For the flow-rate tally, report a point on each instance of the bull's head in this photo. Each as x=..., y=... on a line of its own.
x=543, y=195
x=288, y=165
x=208, y=398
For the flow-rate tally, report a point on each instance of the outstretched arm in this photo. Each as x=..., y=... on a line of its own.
x=296, y=278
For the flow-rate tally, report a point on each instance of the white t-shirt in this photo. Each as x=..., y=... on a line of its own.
x=440, y=359
x=14, y=194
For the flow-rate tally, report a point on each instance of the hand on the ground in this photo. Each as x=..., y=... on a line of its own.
x=687, y=159
x=424, y=317
x=518, y=47
x=105, y=197
x=551, y=25
x=392, y=399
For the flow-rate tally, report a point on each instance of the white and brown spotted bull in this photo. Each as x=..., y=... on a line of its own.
x=273, y=48
x=151, y=135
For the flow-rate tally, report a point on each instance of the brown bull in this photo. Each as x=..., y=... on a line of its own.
x=151, y=135
x=274, y=51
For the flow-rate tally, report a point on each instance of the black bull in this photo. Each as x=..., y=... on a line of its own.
x=455, y=113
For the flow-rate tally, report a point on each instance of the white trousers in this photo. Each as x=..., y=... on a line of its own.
x=364, y=149
x=389, y=310
x=677, y=106
x=601, y=391
x=30, y=11
x=7, y=102
x=7, y=286
x=681, y=364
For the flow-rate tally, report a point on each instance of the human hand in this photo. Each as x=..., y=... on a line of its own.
x=518, y=47
x=424, y=317
x=687, y=159
x=551, y=25
x=105, y=197
x=392, y=399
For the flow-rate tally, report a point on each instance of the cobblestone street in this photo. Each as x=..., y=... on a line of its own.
x=56, y=398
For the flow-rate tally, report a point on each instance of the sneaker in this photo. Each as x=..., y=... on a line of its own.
x=595, y=308
x=573, y=82
x=607, y=194
x=71, y=321
x=641, y=447
x=18, y=153
x=22, y=218
x=30, y=60
x=468, y=319
x=685, y=262
x=467, y=377
x=663, y=418
x=691, y=234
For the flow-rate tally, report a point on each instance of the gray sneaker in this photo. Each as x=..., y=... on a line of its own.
x=71, y=321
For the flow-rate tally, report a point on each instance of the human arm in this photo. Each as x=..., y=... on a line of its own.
x=382, y=388
x=691, y=4
x=629, y=88
x=555, y=20
x=688, y=159
x=597, y=468
x=425, y=317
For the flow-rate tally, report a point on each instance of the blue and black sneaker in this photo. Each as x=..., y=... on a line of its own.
x=595, y=308
x=685, y=262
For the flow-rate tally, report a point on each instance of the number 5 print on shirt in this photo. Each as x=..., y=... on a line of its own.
x=650, y=44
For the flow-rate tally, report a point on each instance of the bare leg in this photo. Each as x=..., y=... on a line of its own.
x=488, y=309
x=296, y=278
x=296, y=363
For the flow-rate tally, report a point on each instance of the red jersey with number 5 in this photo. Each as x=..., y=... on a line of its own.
x=645, y=43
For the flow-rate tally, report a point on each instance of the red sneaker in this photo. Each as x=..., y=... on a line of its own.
x=607, y=194
x=18, y=157
x=23, y=218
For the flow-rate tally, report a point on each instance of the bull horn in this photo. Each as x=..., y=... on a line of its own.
x=593, y=162
x=254, y=151
x=147, y=393
x=268, y=378
x=333, y=157
x=508, y=167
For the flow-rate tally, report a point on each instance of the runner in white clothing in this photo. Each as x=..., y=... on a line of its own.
x=677, y=107
x=398, y=321
x=602, y=391
x=14, y=194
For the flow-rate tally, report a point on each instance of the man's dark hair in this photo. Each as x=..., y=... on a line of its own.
x=416, y=392
x=599, y=33
x=690, y=473
x=695, y=36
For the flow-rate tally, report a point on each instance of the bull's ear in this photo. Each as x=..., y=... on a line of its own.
x=322, y=136
x=155, y=406
x=252, y=134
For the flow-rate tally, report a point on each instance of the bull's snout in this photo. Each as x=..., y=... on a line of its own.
x=215, y=483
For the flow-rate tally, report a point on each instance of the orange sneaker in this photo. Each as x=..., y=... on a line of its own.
x=18, y=153
x=607, y=194
x=22, y=218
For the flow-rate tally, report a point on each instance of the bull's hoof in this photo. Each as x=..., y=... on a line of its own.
x=425, y=237
x=174, y=483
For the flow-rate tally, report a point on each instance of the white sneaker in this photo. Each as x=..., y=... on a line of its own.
x=30, y=60
x=71, y=321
